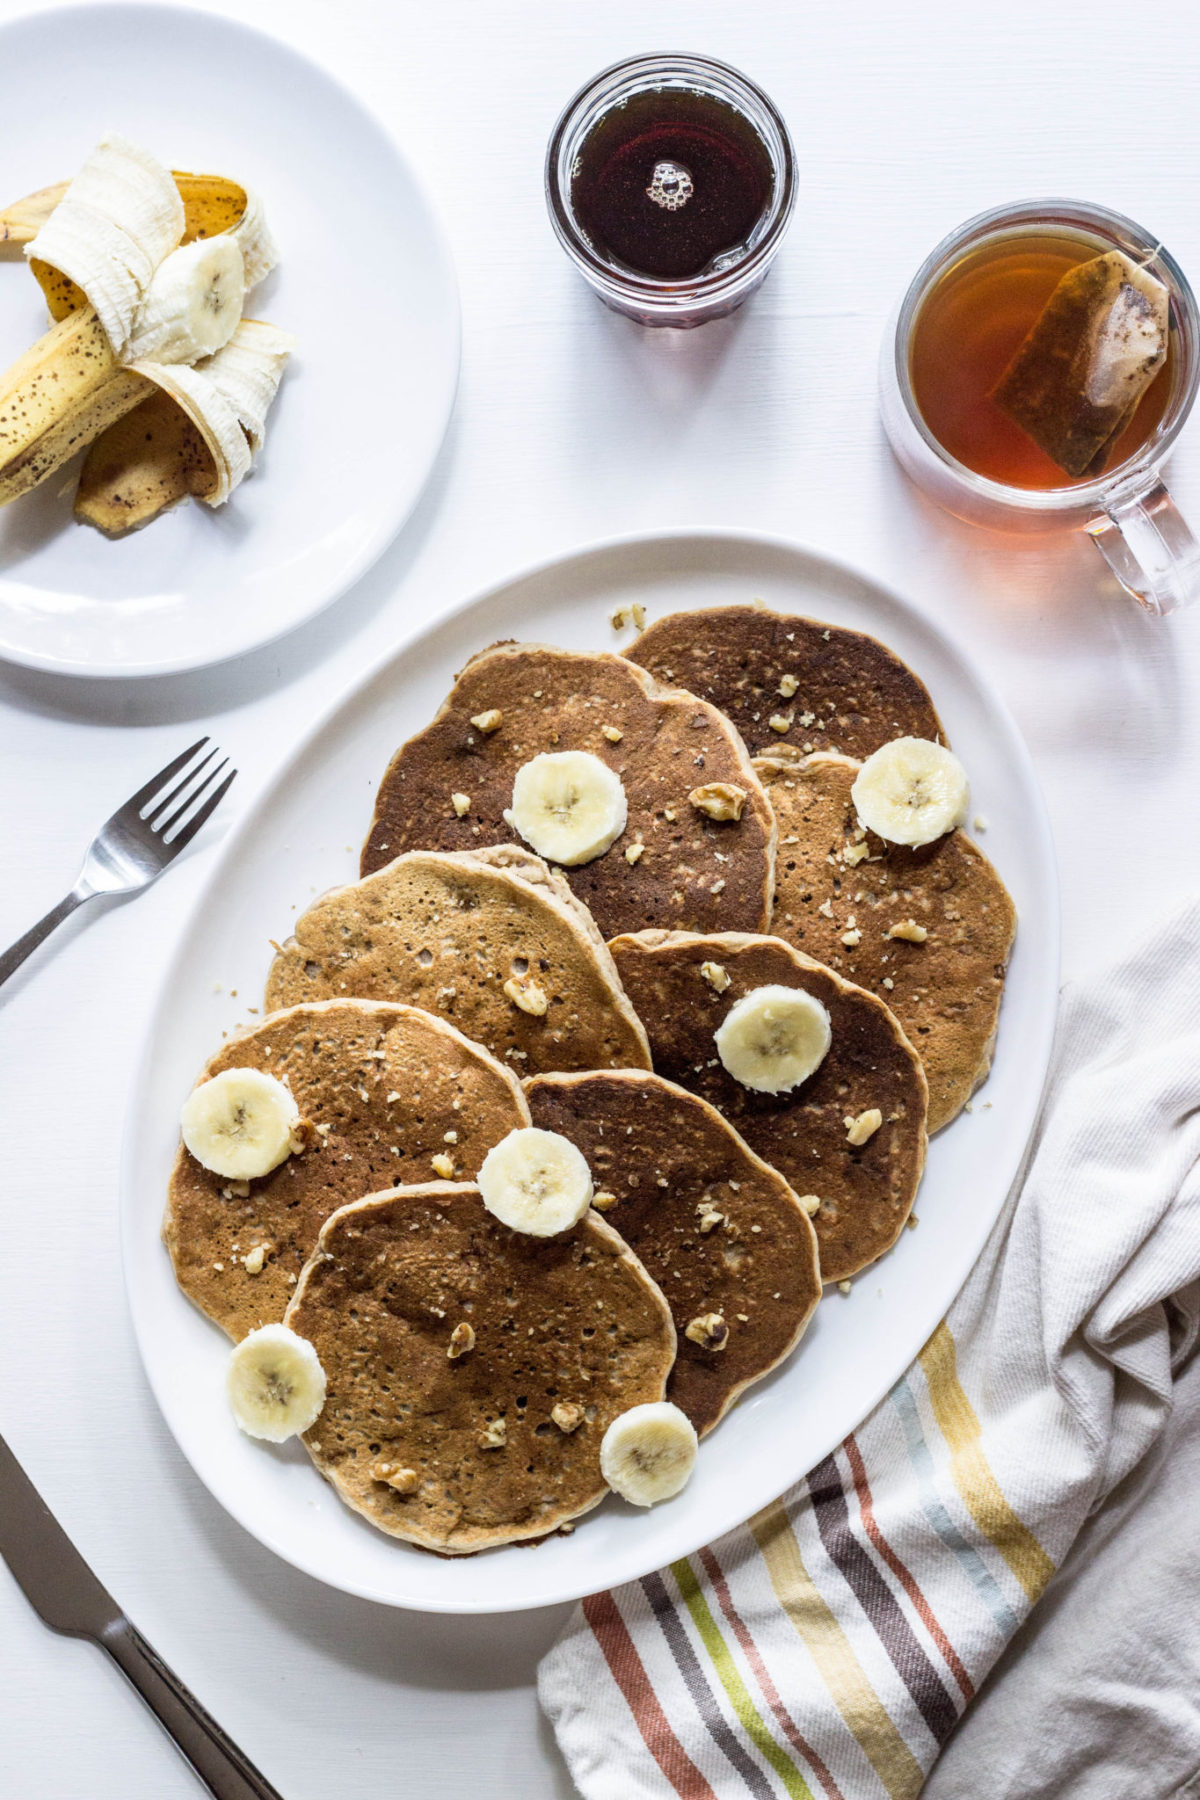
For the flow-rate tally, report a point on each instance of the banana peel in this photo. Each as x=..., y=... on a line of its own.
x=144, y=463
x=63, y=393
x=69, y=391
x=211, y=204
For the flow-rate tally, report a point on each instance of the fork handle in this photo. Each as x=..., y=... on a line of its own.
x=221, y=1766
x=37, y=934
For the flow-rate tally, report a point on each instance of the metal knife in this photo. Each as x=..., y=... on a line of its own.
x=63, y=1591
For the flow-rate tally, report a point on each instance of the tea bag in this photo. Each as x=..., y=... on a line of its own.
x=1076, y=380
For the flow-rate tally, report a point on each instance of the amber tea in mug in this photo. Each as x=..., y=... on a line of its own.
x=970, y=324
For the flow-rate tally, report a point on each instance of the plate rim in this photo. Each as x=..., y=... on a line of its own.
x=385, y=535
x=1038, y=1047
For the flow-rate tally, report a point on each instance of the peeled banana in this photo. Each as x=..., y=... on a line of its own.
x=648, y=1453
x=142, y=268
x=192, y=305
x=536, y=1181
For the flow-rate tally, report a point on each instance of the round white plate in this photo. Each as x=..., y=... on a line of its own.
x=303, y=837
x=364, y=282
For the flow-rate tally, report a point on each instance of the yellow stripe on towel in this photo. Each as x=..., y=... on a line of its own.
x=959, y=1425
x=831, y=1650
x=751, y=1719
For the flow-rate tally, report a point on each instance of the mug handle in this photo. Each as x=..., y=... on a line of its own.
x=1148, y=545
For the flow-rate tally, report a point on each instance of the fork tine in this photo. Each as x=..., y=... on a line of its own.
x=138, y=800
x=156, y=810
x=187, y=832
x=186, y=806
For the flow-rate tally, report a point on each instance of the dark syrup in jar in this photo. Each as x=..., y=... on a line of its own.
x=670, y=181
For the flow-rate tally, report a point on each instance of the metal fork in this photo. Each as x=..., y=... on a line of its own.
x=134, y=847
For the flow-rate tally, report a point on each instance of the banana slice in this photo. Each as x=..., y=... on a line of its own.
x=193, y=304
x=240, y=1124
x=648, y=1453
x=276, y=1384
x=536, y=1181
x=568, y=806
x=118, y=219
x=911, y=791
x=773, y=1038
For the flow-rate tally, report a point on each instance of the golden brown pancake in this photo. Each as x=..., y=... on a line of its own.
x=572, y=1323
x=691, y=870
x=491, y=940
x=720, y=1231
x=851, y=692
x=383, y=1089
x=865, y=1191
x=946, y=991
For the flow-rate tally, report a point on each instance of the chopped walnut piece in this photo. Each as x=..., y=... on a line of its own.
x=826, y=909
x=634, y=853
x=404, y=1481
x=780, y=722
x=526, y=995
x=603, y=1201
x=611, y=733
x=909, y=930
x=716, y=975
x=442, y=1165
x=788, y=685
x=461, y=804
x=462, y=1339
x=709, y=1330
x=710, y=1216
x=720, y=800
x=488, y=721
x=856, y=853
x=859, y=1129
x=253, y=1261
x=852, y=939
x=811, y=1203
x=567, y=1416
x=843, y=1287
x=494, y=1435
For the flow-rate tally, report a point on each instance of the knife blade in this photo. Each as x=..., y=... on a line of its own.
x=48, y=1568
x=64, y=1593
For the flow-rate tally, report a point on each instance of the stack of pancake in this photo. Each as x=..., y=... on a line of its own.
x=464, y=988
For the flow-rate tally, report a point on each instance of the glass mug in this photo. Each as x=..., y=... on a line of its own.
x=1126, y=509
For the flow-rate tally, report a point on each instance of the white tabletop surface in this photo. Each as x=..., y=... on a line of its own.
x=571, y=425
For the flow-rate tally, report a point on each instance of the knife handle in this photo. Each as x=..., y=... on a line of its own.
x=216, y=1758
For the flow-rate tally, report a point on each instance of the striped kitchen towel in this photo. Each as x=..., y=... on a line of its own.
x=830, y=1646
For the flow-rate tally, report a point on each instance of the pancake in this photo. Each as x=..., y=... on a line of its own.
x=491, y=940
x=719, y=1230
x=851, y=692
x=866, y=1190
x=946, y=991
x=695, y=871
x=372, y=1080
x=571, y=1322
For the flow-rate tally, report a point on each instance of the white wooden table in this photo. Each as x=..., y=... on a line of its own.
x=571, y=425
